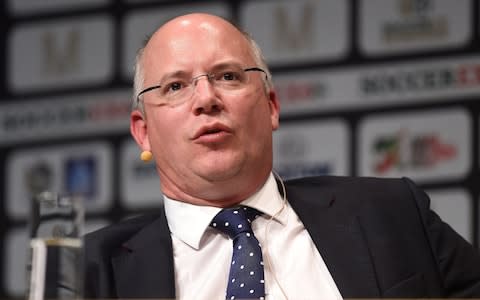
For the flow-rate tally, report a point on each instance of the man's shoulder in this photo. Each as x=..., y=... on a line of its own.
x=354, y=191
x=342, y=181
x=116, y=234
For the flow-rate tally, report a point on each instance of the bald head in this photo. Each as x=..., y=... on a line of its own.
x=177, y=34
x=197, y=22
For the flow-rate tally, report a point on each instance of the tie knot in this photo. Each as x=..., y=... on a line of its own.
x=234, y=221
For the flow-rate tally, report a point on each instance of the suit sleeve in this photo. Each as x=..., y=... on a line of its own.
x=97, y=282
x=458, y=261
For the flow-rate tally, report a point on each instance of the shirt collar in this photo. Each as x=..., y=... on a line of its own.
x=189, y=222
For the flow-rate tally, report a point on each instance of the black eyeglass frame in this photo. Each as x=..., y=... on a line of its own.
x=148, y=89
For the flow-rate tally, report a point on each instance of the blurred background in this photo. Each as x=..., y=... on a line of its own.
x=382, y=88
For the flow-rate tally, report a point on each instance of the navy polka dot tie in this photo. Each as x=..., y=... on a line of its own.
x=246, y=278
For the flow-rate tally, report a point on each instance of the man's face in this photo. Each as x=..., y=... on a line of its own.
x=215, y=145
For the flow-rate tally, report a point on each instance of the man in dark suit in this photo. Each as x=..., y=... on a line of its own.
x=205, y=108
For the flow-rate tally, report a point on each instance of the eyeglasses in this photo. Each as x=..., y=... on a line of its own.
x=178, y=88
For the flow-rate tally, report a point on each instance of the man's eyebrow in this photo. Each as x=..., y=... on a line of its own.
x=227, y=64
x=215, y=67
x=175, y=74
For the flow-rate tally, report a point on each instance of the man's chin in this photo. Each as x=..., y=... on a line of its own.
x=219, y=176
x=220, y=172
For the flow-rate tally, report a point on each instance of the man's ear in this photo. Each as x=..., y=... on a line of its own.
x=274, y=109
x=138, y=129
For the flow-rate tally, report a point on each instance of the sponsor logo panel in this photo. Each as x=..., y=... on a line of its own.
x=311, y=148
x=16, y=257
x=142, y=23
x=377, y=86
x=298, y=31
x=89, y=114
x=447, y=77
x=83, y=169
x=395, y=26
x=140, y=184
x=425, y=146
x=32, y=7
x=60, y=54
x=454, y=206
x=81, y=176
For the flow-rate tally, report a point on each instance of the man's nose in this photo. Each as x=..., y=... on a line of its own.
x=205, y=96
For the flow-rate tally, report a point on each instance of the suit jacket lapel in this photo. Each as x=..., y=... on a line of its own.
x=144, y=267
x=337, y=233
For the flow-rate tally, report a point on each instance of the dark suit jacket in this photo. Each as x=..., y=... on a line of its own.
x=377, y=237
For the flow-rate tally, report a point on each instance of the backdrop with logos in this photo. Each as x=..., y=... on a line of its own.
x=382, y=88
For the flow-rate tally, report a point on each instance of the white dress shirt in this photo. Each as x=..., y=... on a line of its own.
x=294, y=268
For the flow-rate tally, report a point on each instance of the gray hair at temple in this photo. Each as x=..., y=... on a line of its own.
x=139, y=77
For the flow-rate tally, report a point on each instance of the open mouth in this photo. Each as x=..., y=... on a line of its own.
x=213, y=131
